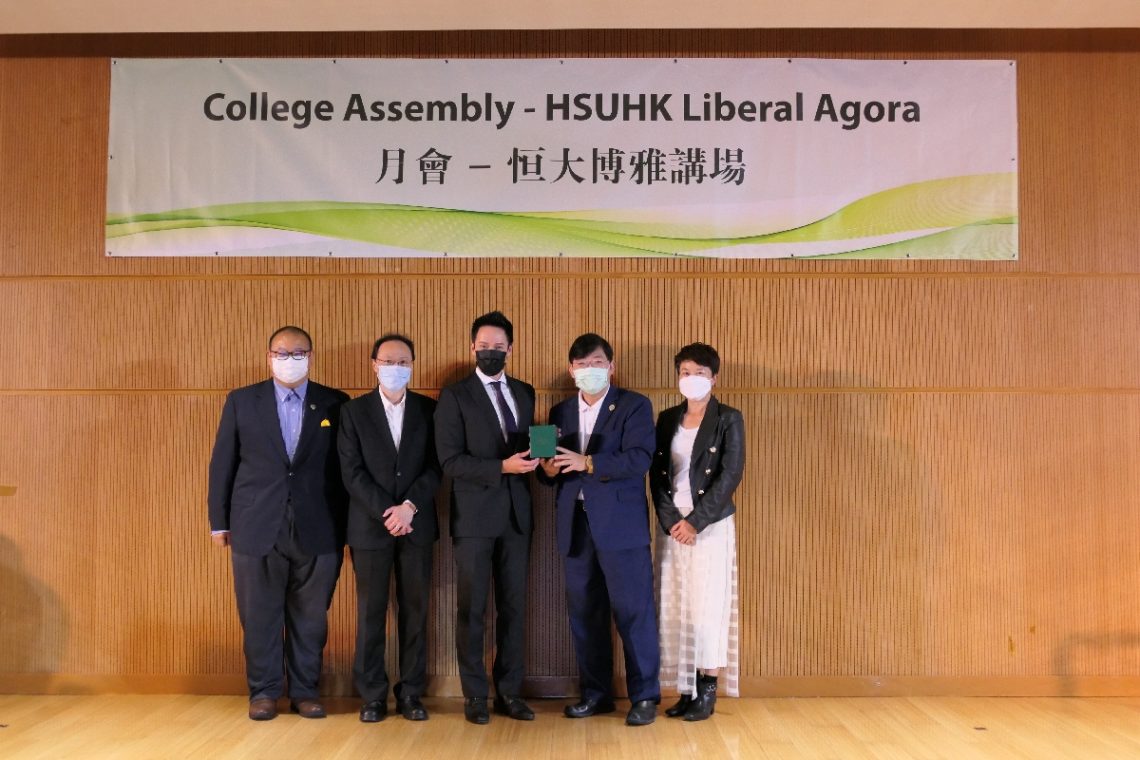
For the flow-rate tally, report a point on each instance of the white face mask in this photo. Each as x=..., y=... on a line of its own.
x=694, y=387
x=393, y=377
x=592, y=379
x=290, y=370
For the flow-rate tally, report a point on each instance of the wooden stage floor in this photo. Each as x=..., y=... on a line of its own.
x=155, y=727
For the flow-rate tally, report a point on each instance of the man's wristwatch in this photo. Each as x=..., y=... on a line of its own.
x=589, y=465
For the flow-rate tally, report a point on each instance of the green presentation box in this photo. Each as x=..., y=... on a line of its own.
x=543, y=440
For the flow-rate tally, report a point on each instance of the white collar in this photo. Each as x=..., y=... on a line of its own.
x=487, y=379
x=388, y=404
x=583, y=407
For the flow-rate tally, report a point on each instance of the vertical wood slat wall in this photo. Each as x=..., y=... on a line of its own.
x=944, y=457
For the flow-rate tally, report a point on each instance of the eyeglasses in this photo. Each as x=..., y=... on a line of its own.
x=283, y=355
x=397, y=363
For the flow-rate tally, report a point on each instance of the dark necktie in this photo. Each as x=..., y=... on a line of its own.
x=510, y=425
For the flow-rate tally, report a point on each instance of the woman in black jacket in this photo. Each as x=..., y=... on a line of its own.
x=698, y=464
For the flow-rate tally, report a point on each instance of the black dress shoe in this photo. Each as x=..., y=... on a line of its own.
x=642, y=713
x=677, y=710
x=412, y=708
x=513, y=707
x=373, y=712
x=475, y=711
x=589, y=706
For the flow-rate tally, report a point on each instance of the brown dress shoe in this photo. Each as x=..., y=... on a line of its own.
x=308, y=708
x=263, y=709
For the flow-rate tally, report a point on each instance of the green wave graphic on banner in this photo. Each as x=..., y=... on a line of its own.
x=972, y=216
x=994, y=241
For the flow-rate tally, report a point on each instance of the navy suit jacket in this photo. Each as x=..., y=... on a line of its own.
x=251, y=477
x=377, y=475
x=622, y=448
x=469, y=441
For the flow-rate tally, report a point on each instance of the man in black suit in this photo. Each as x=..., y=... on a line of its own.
x=387, y=455
x=481, y=431
x=276, y=499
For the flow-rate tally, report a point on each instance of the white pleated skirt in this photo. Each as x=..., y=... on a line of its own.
x=699, y=609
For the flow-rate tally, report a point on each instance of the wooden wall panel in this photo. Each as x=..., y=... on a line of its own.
x=918, y=534
x=840, y=331
x=944, y=457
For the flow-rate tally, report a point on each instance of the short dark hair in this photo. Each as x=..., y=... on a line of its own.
x=698, y=353
x=291, y=330
x=494, y=319
x=394, y=336
x=586, y=344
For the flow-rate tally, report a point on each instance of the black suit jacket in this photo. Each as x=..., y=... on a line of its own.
x=715, y=469
x=377, y=475
x=251, y=477
x=471, y=450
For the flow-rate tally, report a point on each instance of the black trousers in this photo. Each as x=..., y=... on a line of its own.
x=283, y=600
x=478, y=563
x=373, y=568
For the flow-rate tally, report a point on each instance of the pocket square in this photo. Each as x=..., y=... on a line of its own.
x=326, y=423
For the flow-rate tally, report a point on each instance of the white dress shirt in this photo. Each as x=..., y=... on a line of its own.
x=587, y=418
x=506, y=389
x=395, y=415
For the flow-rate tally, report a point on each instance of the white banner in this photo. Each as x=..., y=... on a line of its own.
x=745, y=158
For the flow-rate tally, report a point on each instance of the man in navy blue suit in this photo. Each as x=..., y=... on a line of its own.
x=276, y=499
x=606, y=438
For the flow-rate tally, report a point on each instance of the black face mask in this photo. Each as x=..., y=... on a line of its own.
x=491, y=361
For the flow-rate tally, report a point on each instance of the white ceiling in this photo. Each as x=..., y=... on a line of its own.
x=110, y=16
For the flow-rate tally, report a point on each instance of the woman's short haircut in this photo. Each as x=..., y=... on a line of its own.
x=698, y=353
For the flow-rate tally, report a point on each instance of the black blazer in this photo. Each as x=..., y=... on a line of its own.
x=251, y=477
x=715, y=471
x=471, y=449
x=378, y=476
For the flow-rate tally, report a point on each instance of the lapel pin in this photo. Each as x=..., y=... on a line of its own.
x=713, y=449
x=612, y=407
x=313, y=407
